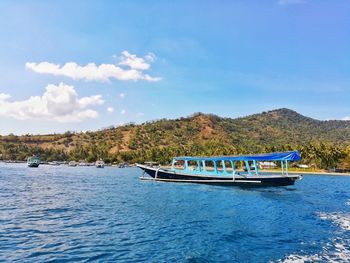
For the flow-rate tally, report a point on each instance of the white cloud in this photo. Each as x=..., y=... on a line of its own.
x=103, y=72
x=290, y=2
x=110, y=109
x=151, y=57
x=346, y=118
x=122, y=95
x=140, y=114
x=58, y=103
x=133, y=61
x=123, y=112
x=4, y=96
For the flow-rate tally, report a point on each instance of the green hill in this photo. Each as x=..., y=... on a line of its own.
x=199, y=134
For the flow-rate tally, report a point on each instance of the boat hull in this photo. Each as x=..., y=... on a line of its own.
x=33, y=165
x=159, y=174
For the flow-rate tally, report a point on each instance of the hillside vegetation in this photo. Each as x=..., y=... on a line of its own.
x=322, y=143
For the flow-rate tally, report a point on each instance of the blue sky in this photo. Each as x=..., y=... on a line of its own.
x=165, y=59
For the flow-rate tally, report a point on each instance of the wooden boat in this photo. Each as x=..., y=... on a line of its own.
x=33, y=161
x=221, y=170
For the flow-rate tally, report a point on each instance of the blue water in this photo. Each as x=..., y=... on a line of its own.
x=98, y=215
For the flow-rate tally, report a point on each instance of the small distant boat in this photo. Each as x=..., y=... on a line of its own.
x=56, y=163
x=123, y=165
x=82, y=163
x=221, y=170
x=33, y=161
x=152, y=164
x=73, y=163
x=100, y=164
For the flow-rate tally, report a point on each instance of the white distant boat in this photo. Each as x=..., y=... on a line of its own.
x=267, y=165
x=53, y=163
x=100, y=164
x=82, y=163
x=72, y=163
x=303, y=166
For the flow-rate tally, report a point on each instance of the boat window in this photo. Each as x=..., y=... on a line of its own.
x=228, y=166
x=219, y=166
x=209, y=165
x=179, y=165
x=239, y=164
x=192, y=165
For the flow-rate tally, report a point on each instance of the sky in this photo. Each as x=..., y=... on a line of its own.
x=87, y=65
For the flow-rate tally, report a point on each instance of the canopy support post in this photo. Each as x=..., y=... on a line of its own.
x=256, y=168
x=186, y=165
x=199, y=165
x=215, y=167
x=173, y=165
x=233, y=167
x=223, y=167
x=233, y=170
x=248, y=167
x=287, y=167
x=204, y=168
x=282, y=167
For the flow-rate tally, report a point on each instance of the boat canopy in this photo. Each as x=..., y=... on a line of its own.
x=279, y=156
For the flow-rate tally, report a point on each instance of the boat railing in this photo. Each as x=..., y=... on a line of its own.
x=204, y=169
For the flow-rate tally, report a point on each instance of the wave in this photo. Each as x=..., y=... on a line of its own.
x=337, y=250
x=342, y=220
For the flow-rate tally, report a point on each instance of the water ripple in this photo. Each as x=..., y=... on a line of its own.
x=95, y=215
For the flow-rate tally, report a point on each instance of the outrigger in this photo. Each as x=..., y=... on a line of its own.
x=221, y=170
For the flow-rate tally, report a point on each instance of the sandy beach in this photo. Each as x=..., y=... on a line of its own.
x=309, y=172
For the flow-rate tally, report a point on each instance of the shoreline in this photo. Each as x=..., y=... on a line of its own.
x=309, y=172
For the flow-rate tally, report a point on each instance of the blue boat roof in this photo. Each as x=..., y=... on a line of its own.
x=278, y=156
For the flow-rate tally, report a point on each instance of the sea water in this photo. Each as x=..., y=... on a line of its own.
x=60, y=213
